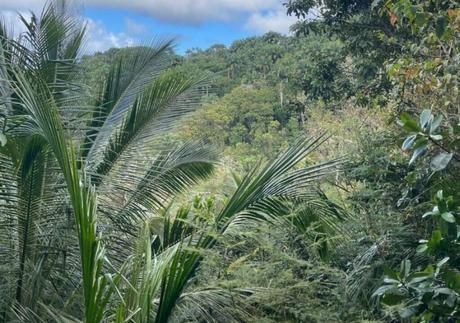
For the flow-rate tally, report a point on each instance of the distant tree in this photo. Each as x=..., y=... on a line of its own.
x=360, y=25
x=247, y=116
x=316, y=67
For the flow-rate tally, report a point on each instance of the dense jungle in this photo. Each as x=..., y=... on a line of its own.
x=309, y=177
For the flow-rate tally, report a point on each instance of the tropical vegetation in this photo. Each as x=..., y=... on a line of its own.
x=303, y=178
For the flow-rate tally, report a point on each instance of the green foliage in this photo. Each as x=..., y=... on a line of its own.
x=316, y=67
x=42, y=101
x=244, y=120
x=297, y=287
x=89, y=230
x=426, y=297
x=98, y=156
x=364, y=33
x=431, y=294
x=422, y=133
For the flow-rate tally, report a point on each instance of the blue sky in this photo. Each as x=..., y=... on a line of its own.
x=195, y=23
x=144, y=28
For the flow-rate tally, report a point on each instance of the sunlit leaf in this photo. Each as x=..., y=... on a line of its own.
x=417, y=153
x=407, y=144
x=440, y=161
x=448, y=217
x=425, y=118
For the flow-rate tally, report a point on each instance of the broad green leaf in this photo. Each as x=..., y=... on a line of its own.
x=422, y=248
x=405, y=267
x=425, y=118
x=439, y=195
x=390, y=272
x=440, y=161
x=442, y=262
x=387, y=280
x=429, y=269
x=392, y=297
x=436, y=137
x=417, y=153
x=435, y=239
x=408, y=123
x=382, y=290
x=417, y=278
x=421, y=141
x=436, y=123
x=444, y=291
x=427, y=214
x=407, y=144
x=409, y=311
x=448, y=217
x=452, y=278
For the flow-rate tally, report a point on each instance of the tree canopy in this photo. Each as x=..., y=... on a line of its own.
x=310, y=177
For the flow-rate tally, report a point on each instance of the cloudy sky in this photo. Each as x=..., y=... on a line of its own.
x=196, y=23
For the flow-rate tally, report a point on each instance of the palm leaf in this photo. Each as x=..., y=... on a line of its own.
x=128, y=78
x=154, y=111
x=212, y=305
x=39, y=102
x=276, y=183
x=259, y=196
x=143, y=275
x=9, y=249
x=30, y=194
x=169, y=173
x=51, y=44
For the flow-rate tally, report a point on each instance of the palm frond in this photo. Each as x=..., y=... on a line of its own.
x=51, y=44
x=128, y=78
x=168, y=174
x=154, y=111
x=212, y=305
x=9, y=246
x=30, y=198
x=142, y=277
x=39, y=102
x=276, y=184
x=259, y=196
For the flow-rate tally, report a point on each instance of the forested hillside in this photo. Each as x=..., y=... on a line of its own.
x=304, y=178
x=261, y=87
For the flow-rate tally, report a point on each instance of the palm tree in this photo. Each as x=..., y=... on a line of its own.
x=86, y=184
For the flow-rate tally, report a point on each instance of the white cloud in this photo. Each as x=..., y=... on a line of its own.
x=99, y=39
x=270, y=21
x=189, y=11
x=134, y=27
x=256, y=15
x=12, y=22
x=22, y=5
x=177, y=11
